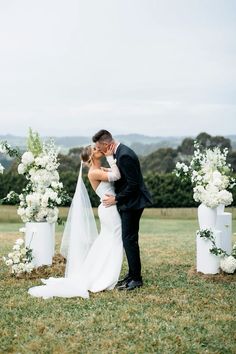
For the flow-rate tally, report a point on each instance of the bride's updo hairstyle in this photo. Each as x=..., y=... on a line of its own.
x=86, y=155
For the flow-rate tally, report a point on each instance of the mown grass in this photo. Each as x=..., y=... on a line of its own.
x=8, y=213
x=177, y=310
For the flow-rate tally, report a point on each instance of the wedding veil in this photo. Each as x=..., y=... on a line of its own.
x=80, y=230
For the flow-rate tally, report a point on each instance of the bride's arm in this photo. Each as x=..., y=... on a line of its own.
x=111, y=176
x=114, y=174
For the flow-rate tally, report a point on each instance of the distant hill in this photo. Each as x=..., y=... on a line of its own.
x=142, y=144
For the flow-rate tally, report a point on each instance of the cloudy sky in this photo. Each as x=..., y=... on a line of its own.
x=155, y=67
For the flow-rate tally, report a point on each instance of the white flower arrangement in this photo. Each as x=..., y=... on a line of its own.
x=227, y=262
x=43, y=193
x=20, y=259
x=210, y=176
x=1, y=168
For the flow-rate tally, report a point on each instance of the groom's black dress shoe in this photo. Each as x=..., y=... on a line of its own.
x=124, y=281
x=131, y=285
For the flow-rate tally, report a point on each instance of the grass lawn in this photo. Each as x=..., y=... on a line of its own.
x=177, y=310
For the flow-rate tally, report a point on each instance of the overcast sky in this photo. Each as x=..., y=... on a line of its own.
x=155, y=67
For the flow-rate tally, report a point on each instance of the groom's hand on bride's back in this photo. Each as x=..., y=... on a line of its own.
x=108, y=200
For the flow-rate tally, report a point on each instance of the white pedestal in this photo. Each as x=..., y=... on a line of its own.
x=53, y=238
x=39, y=237
x=207, y=217
x=224, y=224
x=207, y=262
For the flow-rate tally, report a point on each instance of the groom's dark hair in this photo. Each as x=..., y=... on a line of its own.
x=102, y=135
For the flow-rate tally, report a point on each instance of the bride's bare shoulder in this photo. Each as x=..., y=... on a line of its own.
x=94, y=173
x=97, y=174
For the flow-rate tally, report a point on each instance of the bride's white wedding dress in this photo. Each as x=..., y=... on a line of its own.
x=101, y=267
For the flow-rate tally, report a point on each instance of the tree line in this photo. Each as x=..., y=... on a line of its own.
x=157, y=167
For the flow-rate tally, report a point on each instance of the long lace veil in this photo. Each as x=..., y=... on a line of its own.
x=80, y=230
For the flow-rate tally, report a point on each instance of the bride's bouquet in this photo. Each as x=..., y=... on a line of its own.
x=43, y=193
x=210, y=175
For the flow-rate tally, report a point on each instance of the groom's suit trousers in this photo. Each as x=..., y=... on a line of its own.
x=130, y=229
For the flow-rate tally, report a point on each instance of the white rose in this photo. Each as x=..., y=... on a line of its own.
x=20, y=241
x=3, y=150
x=58, y=200
x=22, y=229
x=16, y=247
x=9, y=262
x=185, y=168
x=23, y=252
x=1, y=168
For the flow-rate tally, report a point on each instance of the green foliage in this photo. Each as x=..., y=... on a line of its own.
x=186, y=147
x=209, y=235
x=163, y=161
x=168, y=192
x=166, y=189
x=208, y=141
x=34, y=143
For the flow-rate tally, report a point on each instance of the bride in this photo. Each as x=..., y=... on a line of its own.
x=93, y=261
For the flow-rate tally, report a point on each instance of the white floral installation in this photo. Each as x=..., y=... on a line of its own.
x=43, y=193
x=210, y=175
x=20, y=258
x=1, y=168
x=227, y=262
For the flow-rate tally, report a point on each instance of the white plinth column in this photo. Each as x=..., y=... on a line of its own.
x=207, y=262
x=53, y=238
x=39, y=237
x=224, y=224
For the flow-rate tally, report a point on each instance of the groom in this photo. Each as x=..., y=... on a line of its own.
x=131, y=198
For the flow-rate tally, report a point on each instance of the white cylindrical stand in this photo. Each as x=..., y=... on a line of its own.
x=206, y=217
x=224, y=224
x=207, y=262
x=53, y=225
x=39, y=237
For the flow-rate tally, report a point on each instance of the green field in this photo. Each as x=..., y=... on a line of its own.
x=177, y=310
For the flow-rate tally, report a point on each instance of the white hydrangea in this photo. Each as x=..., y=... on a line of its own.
x=225, y=197
x=27, y=158
x=228, y=264
x=42, y=160
x=209, y=175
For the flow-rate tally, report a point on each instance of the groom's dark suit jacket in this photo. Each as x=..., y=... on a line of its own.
x=131, y=192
